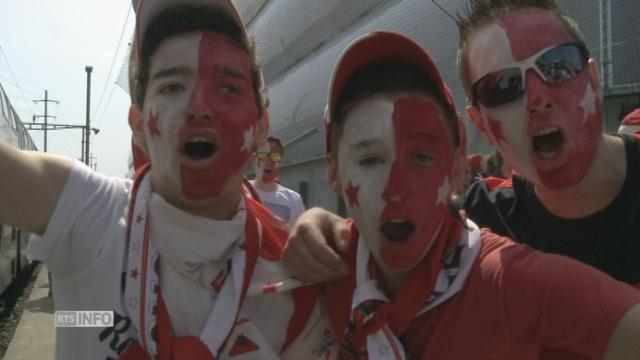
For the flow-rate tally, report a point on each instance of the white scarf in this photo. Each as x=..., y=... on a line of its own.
x=383, y=344
x=143, y=283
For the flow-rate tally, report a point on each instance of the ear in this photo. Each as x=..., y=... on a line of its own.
x=136, y=124
x=261, y=130
x=594, y=75
x=476, y=117
x=334, y=177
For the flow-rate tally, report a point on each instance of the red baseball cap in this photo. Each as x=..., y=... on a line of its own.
x=631, y=123
x=382, y=46
x=146, y=10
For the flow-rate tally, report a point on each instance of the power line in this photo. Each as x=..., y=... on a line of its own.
x=14, y=78
x=113, y=61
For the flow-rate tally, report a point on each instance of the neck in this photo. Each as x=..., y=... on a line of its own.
x=266, y=186
x=223, y=207
x=392, y=281
x=596, y=190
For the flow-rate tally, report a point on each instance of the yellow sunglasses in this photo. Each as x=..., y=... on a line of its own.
x=262, y=156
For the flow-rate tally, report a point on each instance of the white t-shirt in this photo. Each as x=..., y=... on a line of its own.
x=84, y=247
x=284, y=202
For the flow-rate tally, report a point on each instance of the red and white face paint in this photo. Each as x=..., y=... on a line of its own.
x=395, y=166
x=268, y=170
x=200, y=114
x=573, y=107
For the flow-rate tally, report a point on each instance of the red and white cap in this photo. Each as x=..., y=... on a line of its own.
x=383, y=46
x=146, y=10
x=631, y=123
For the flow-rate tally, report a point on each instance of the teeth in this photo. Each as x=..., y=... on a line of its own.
x=548, y=155
x=199, y=139
x=546, y=131
x=397, y=221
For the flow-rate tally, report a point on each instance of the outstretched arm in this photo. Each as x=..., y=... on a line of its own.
x=625, y=341
x=311, y=254
x=30, y=186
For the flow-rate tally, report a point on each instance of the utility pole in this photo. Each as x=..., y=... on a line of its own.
x=88, y=69
x=46, y=127
x=46, y=115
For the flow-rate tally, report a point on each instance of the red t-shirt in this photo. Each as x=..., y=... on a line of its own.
x=515, y=302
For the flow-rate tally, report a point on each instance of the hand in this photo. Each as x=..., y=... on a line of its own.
x=311, y=254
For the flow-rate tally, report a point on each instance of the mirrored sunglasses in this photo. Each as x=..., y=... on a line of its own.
x=263, y=155
x=555, y=65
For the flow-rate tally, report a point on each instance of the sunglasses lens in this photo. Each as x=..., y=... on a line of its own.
x=499, y=87
x=261, y=155
x=561, y=63
x=276, y=157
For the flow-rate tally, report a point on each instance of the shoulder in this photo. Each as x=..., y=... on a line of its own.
x=289, y=193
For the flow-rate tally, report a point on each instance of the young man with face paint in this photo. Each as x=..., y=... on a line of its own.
x=425, y=283
x=187, y=262
x=537, y=99
x=282, y=201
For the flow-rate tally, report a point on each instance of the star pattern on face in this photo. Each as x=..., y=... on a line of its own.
x=352, y=194
x=443, y=191
x=248, y=140
x=152, y=124
x=588, y=103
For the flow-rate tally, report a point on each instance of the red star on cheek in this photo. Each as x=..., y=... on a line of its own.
x=153, y=126
x=496, y=130
x=352, y=194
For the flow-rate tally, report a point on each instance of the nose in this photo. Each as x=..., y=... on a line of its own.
x=199, y=107
x=397, y=188
x=540, y=99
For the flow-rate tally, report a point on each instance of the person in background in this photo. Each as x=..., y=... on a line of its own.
x=631, y=123
x=282, y=201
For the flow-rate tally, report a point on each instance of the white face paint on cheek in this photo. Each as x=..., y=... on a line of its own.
x=164, y=114
x=507, y=124
x=369, y=122
x=588, y=103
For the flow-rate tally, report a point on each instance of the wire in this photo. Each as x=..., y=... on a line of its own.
x=15, y=80
x=113, y=61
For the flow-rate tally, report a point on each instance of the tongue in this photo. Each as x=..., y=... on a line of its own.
x=548, y=143
x=398, y=231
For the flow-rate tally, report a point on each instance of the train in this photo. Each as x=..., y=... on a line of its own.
x=13, y=241
x=301, y=40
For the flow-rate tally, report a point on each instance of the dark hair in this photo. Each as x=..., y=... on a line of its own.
x=183, y=19
x=478, y=13
x=276, y=140
x=386, y=78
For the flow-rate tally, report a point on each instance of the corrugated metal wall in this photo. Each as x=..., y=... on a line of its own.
x=302, y=39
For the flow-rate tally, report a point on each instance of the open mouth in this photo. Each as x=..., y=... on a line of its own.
x=199, y=148
x=548, y=141
x=397, y=230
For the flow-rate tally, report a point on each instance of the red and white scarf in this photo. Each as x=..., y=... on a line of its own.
x=248, y=275
x=376, y=322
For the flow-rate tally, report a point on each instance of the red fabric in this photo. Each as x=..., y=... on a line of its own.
x=474, y=162
x=400, y=311
x=514, y=300
x=494, y=183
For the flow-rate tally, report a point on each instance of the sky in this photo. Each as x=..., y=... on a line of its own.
x=46, y=45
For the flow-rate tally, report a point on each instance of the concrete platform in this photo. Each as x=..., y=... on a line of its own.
x=35, y=336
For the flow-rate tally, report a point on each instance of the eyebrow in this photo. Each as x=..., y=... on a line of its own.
x=172, y=71
x=230, y=72
x=366, y=143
